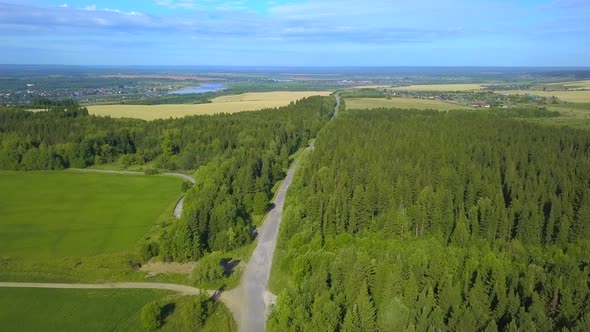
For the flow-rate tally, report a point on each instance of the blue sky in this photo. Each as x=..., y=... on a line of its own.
x=296, y=33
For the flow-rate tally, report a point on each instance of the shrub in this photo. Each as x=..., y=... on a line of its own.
x=149, y=250
x=152, y=171
x=260, y=204
x=151, y=316
x=186, y=185
x=209, y=269
x=195, y=310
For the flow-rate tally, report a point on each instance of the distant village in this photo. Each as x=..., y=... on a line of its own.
x=478, y=98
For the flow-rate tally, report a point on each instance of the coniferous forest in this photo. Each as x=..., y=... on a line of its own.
x=427, y=221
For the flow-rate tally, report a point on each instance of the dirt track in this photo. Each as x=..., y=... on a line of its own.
x=182, y=289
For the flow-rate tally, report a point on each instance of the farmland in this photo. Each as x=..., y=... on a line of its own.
x=26, y=309
x=372, y=103
x=225, y=104
x=61, y=214
x=569, y=96
x=439, y=87
x=573, y=85
x=425, y=87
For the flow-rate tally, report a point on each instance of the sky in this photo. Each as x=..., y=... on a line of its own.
x=296, y=33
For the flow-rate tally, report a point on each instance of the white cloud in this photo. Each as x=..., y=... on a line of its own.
x=330, y=21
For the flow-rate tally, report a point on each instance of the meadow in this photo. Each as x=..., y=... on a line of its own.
x=63, y=214
x=33, y=309
x=224, y=104
x=372, y=103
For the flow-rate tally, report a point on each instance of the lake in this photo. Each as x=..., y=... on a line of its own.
x=206, y=87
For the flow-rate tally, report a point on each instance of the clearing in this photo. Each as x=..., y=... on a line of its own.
x=224, y=104
x=371, y=103
x=34, y=309
x=63, y=214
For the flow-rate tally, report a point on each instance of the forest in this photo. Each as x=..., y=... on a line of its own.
x=406, y=220
x=239, y=158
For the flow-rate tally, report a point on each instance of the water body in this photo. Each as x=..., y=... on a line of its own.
x=206, y=87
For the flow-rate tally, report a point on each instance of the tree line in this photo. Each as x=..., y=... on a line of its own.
x=239, y=156
x=424, y=220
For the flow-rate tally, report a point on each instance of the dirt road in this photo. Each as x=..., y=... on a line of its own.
x=182, y=289
x=247, y=301
x=337, y=107
x=250, y=300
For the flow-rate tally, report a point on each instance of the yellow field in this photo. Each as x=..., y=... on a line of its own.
x=572, y=85
x=225, y=104
x=571, y=96
x=370, y=103
x=284, y=97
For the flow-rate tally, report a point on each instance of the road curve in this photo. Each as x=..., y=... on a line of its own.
x=182, y=289
x=179, y=205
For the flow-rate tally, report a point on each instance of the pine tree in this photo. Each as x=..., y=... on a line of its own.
x=366, y=310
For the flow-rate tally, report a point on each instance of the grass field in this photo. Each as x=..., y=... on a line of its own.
x=31, y=309
x=37, y=309
x=371, y=103
x=225, y=104
x=570, y=96
x=60, y=214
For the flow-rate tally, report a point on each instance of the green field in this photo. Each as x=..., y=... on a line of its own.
x=38, y=309
x=29, y=309
x=371, y=103
x=65, y=214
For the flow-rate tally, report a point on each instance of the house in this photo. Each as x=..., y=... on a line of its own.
x=480, y=104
